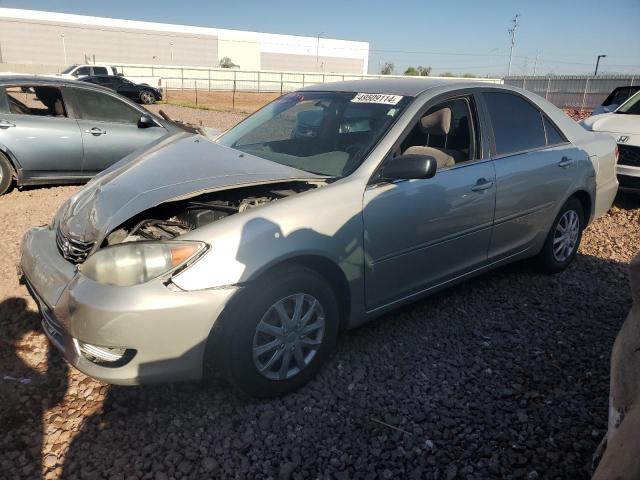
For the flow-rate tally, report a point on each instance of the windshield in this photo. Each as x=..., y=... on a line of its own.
x=68, y=69
x=631, y=106
x=328, y=133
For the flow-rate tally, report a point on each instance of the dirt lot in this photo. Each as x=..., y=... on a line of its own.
x=239, y=101
x=505, y=376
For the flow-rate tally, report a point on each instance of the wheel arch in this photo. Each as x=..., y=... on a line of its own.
x=13, y=161
x=586, y=201
x=328, y=270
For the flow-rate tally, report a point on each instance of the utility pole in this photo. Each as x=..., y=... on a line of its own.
x=535, y=63
x=318, y=51
x=512, y=34
x=64, y=50
x=597, y=64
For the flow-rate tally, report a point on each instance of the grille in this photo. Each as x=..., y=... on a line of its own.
x=629, y=155
x=73, y=250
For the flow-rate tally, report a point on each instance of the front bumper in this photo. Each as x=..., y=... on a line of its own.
x=628, y=176
x=166, y=329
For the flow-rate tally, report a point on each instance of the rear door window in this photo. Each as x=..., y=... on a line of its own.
x=100, y=71
x=37, y=100
x=517, y=125
x=104, y=108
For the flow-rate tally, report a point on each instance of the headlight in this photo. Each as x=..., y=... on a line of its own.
x=138, y=262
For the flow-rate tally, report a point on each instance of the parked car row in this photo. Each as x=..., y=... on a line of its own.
x=323, y=210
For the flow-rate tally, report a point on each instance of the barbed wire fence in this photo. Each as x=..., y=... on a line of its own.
x=580, y=92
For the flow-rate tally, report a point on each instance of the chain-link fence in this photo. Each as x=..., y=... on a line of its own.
x=579, y=92
x=221, y=79
x=233, y=89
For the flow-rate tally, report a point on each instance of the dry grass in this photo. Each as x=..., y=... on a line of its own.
x=247, y=102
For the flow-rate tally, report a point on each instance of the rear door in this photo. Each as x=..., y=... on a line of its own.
x=37, y=128
x=535, y=169
x=109, y=128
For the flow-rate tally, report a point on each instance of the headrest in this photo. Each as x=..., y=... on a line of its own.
x=437, y=123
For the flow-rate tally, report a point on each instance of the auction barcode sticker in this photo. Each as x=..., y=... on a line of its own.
x=376, y=98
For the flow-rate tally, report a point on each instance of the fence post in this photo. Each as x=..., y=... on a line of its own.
x=584, y=96
x=546, y=95
x=195, y=84
x=281, y=84
x=632, y=79
x=233, y=96
x=209, y=71
x=258, y=81
x=182, y=78
x=524, y=83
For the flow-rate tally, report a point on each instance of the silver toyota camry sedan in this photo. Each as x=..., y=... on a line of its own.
x=328, y=207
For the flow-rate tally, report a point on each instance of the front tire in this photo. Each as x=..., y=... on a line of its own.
x=147, y=97
x=282, y=330
x=563, y=240
x=6, y=174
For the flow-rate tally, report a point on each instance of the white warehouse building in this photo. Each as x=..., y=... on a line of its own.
x=30, y=37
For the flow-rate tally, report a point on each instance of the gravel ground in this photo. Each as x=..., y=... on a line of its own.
x=505, y=376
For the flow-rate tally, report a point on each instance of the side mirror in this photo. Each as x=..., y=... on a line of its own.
x=407, y=167
x=146, y=121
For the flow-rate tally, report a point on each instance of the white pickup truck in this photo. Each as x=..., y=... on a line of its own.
x=77, y=71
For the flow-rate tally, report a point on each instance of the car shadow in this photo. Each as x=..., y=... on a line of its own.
x=26, y=392
x=514, y=358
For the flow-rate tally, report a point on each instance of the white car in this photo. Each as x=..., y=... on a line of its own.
x=624, y=125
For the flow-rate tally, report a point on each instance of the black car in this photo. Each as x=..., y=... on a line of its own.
x=139, y=92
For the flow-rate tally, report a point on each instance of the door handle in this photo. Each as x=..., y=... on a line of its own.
x=481, y=185
x=6, y=124
x=566, y=162
x=96, y=131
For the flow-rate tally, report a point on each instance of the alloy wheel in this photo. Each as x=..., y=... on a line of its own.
x=147, y=98
x=565, y=237
x=288, y=336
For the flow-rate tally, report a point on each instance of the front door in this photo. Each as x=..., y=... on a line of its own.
x=421, y=233
x=109, y=129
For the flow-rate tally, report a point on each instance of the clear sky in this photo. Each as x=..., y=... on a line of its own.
x=457, y=36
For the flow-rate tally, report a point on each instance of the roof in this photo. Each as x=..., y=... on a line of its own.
x=6, y=78
x=410, y=87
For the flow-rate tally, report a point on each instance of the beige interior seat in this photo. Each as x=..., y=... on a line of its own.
x=437, y=123
x=58, y=107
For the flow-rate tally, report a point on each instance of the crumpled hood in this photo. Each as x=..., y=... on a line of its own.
x=180, y=166
x=613, y=122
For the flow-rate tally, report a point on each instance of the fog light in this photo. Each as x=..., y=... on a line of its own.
x=98, y=354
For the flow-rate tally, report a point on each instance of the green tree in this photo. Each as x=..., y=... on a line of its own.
x=387, y=69
x=468, y=75
x=418, y=71
x=447, y=74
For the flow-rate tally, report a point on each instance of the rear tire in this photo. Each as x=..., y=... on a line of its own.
x=6, y=174
x=256, y=325
x=564, y=237
x=147, y=97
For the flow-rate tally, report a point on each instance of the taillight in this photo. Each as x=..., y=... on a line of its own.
x=616, y=153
